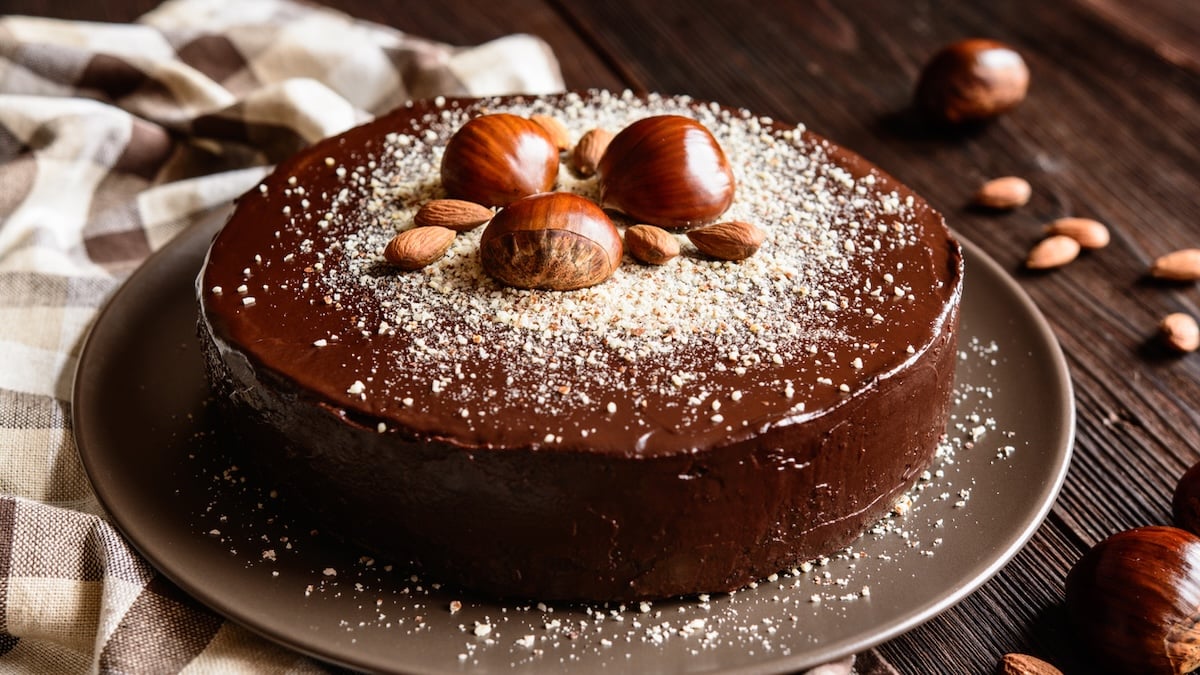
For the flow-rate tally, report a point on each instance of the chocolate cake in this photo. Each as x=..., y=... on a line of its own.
x=683, y=428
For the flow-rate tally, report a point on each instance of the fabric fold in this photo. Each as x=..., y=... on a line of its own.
x=114, y=139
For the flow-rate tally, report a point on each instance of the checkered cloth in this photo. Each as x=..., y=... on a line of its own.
x=113, y=139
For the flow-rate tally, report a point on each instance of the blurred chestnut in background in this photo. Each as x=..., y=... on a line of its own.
x=1185, y=504
x=972, y=80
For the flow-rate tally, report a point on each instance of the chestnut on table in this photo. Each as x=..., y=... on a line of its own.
x=1134, y=599
x=972, y=80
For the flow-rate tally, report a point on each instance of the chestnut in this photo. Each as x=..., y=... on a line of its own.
x=555, y=241
x=972, y=80
x=666, y=170
x=1134, y=600
x=1185, y=503
x=498, y=158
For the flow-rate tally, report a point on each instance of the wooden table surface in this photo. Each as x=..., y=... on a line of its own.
x=1110, y=130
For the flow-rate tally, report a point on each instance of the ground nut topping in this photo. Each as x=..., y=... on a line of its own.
x=841, y=269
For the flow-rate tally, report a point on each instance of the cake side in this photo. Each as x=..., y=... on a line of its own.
x=673, y=430
x=579, y=526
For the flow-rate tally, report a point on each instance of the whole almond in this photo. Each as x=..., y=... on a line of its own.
x=455, y=214
x=1089, y=233
x=1024, y=664
x=650, y=244
x=557, y=130
x=589, y=150
x=730, y=240
x=1180, y=332
x=1181, y=265
x=1053, y=251
x=418, y=247
x=1007, y=192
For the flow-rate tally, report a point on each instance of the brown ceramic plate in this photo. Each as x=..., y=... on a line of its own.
x=168, y=475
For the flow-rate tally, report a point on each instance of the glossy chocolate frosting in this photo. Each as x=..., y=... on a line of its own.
x=677, y=429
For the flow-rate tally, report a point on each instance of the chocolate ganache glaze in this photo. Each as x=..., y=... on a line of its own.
x=686, y=428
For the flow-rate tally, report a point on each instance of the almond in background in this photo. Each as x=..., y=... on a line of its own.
x=1091, y=234
x=554, y=127
x=1004, y=193
x=1181, y=265
x=588, y=151
x=1180, y=332
x=1053, y=251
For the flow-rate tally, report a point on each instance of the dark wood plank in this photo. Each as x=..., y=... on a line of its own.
x=1109, y=131
x=1157, y=23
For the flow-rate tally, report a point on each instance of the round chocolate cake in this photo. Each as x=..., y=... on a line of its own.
x=678, y=428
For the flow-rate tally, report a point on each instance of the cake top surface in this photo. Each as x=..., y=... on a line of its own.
x=856, y=278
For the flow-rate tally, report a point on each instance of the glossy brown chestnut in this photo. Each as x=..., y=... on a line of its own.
x=1185, y=504
x=496, y=159
x=972, y=80
x=666, y=170
x=556, y=241
x=1134, y=601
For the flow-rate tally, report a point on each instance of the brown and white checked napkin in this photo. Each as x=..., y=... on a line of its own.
x=113, y=139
